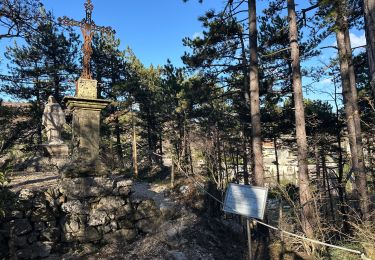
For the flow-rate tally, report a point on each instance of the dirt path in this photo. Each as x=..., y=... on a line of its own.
x=32, y=180
x=155, y=192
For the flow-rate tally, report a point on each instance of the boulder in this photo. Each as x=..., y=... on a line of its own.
x=110, y=203
x=74, y=207
x=123, y=187
x=26, y=195
x=98, y=217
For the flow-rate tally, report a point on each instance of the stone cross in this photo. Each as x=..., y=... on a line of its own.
x=88, y=27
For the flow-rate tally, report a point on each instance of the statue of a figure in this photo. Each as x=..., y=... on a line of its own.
x=53, y=120
x=87, y=50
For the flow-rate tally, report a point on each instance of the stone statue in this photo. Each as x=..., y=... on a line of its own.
x=53, y=120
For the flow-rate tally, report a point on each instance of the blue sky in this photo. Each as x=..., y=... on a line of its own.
x=153, y=29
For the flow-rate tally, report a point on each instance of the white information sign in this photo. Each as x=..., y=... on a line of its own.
x=249, y=201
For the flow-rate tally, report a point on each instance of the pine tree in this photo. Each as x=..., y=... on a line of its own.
x=43, y=66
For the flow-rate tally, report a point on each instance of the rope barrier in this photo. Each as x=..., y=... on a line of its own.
x=201, y=186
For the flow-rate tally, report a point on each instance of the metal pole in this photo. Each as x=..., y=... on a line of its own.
x=249, y=238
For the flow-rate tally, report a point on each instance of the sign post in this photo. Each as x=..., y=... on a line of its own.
x=248, y=201
x=249, y=238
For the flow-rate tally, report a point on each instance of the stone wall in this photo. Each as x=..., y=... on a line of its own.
x=88, y=211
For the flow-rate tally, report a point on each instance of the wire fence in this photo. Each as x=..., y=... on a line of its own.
x=201, y=186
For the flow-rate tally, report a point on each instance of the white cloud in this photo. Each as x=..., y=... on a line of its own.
x=357, y=40
x=326, y=81
x=197, y=35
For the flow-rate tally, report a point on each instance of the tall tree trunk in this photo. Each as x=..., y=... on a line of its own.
x=219, y=159
x=341, y=185
x=361, y=180
x=369, y=12
x=245, y=90
x=276, y=159
x=351, y=108
x=307, y=214
x=39, y=112
x=254, y=97
x=120, y=155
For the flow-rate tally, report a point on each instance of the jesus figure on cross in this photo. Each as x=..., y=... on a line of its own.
x=88, y=27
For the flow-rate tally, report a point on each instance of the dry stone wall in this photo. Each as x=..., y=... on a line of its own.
x=79, y=211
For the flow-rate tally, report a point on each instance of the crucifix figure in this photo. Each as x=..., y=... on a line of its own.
x=88, y=27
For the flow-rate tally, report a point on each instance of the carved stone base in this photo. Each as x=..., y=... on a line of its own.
x=82, y=167
x=56, y=150
x=87, y=88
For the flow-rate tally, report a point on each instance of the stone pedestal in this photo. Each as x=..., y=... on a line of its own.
x=86, y=119
x=86, y=125
x=60, y=151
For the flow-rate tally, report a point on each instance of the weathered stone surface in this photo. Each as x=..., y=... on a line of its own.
x=86, y=124
x=86, y=88
x=113, y=225
x=91, y=234
x=128, y=234
x=72, y=223
x=26, y=194
x=98, y=217
x=124, y=187
x=86, y=187
x=105, y=229
x=124, y=212
x=110, y=203
x=42, y=214
x=121, y=235
x=40, y=201
x=146, y=209
x=126, y=223
x=21, y=226
x=83, y=167
x=74, y=206
x=50, y=234
x=87, y=210
x=147, y=225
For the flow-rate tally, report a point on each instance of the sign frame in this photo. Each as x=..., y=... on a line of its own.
x=230, y=209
